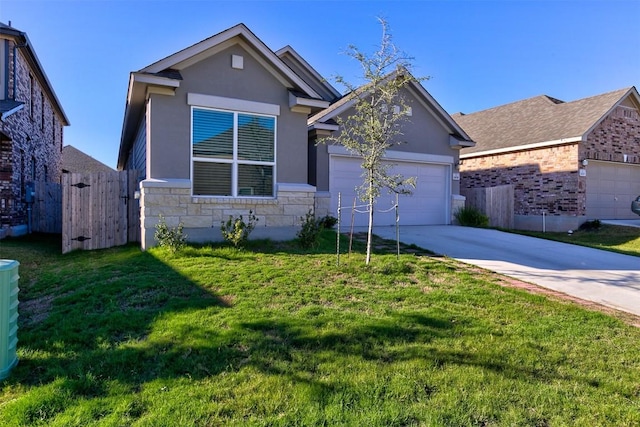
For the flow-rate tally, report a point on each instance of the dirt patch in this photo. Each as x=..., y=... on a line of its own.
x=36, y=310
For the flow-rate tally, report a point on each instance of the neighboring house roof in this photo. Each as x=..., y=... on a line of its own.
x=76, y=161
x=325, y=119
x=22, y=42
x=538, y=121
x=165, y=74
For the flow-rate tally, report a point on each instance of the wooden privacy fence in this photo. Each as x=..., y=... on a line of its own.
x=46, y=215
x=99, y=210
x=494, y=202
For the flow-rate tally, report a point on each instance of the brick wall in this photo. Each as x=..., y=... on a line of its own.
x=615, y=136
x=35, y=149
x=545, y=179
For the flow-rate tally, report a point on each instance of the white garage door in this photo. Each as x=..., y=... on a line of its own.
x=610, y=189
x=428, y=205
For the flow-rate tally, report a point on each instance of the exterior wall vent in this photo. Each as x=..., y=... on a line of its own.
x=237, y=62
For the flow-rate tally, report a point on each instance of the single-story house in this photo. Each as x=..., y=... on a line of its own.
x=428, y=151
x=227, y=125
x=569, y=162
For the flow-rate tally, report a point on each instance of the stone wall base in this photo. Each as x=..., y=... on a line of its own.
x=277, y=218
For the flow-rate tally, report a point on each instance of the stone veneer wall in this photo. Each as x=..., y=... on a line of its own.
x=36, y=133
x=278, y=218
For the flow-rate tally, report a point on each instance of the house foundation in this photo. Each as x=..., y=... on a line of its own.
x=278, y=218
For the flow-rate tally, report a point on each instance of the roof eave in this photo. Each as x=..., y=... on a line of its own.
x=291, y=51
x=457, y=143
x=139, y=84
x=307, y=105
x=544, y=144
x=22, y=40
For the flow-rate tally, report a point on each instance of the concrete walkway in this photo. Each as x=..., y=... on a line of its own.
x=604, y=277
x=623, y=222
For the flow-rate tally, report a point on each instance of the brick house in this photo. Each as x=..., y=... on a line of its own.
x=31, y=128
x=569, y=162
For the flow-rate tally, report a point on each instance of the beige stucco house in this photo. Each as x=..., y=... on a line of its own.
x=569, y=162
x=228, y=125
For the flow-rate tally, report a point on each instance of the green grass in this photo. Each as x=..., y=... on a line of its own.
x=615, y=238
x=271, y=336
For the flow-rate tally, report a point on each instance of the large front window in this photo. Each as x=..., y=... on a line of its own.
x=233, y=153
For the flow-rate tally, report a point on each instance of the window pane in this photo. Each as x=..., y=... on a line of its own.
x=255, y=180
x=256, y=136
x=211, y=179
x=212, y=134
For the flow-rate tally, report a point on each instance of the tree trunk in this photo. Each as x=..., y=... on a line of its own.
x=370, y=231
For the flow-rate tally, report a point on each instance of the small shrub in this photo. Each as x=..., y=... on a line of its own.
x=310, y=231
x=590, y=225
x=328, y=221
x=236, y=231
x=471, y=217
x=172, y=238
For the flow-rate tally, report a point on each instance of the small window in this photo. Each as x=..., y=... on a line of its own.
x=32, y=95
x=41, y=110
x=22, y=171
x=233, y=153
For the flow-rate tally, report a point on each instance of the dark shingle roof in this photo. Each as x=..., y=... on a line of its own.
x=75, y=161
x=535, y=120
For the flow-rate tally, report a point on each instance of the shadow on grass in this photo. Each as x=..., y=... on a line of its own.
x=87, y=316
x=124, y=316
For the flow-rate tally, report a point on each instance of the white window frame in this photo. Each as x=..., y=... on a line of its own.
x=234, y=161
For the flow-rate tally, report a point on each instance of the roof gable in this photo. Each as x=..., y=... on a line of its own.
x=431, y=105
x=216, y=43
x=301, y=67
x=164, y=77
x=541, y=120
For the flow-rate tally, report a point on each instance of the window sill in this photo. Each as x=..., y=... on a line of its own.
x=234, y=200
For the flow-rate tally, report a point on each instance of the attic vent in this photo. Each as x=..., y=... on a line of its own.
x=237, y=62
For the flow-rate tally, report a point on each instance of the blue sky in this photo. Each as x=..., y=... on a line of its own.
x=479, y=54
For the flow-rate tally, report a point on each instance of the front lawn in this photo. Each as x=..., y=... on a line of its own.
x=213, y=336
x=615, y=238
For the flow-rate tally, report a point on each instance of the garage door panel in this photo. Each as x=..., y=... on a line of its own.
x=610, y=189
x=427, y=204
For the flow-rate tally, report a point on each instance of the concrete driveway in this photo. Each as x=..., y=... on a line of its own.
x=604, y=277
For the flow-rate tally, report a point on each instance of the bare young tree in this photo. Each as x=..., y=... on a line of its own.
x=379, y=110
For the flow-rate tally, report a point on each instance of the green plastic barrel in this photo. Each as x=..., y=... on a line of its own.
x=8, y=315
